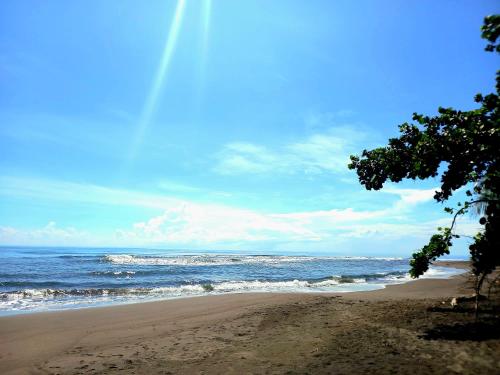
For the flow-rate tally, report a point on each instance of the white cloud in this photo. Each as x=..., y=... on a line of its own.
x=318, y=153
x=464, y=226
x=388, y=230
x=242, y=157
x=188, y=223
x=412, y=196
x=330, y=217
x=191, y=223
x=50, y=234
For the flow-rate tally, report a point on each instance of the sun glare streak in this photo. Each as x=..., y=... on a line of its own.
x=207, y=10
x=161, y=73
x=206, y=13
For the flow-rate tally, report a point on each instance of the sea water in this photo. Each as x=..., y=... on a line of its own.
x=40, y=279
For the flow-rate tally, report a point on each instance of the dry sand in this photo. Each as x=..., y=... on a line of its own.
x=402, y=329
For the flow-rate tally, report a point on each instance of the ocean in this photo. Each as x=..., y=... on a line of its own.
x=47, y=278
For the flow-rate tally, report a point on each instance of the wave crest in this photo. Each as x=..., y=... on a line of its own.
x=219, y=260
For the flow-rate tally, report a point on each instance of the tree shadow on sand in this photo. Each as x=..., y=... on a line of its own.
x=474, y=331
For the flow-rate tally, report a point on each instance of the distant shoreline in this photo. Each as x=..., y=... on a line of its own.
x=462, y=264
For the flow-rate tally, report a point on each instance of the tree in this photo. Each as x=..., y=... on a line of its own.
x=466, y=145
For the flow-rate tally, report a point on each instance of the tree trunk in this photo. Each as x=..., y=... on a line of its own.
x=479, y=284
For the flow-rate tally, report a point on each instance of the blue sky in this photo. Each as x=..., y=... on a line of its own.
x=224, y=124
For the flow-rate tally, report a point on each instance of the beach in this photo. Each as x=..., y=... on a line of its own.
x=405, y=328
x=250, y=187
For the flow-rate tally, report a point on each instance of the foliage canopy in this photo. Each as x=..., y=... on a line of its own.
x=467, y=145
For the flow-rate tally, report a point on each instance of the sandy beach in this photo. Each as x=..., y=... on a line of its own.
x=408, y=328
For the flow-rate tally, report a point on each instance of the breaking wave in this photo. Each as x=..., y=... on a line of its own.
x=73, y=278
x=323, y=284
x=219, y=260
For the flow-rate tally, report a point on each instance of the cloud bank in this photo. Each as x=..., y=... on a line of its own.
x=182, y=223
x=318, y=153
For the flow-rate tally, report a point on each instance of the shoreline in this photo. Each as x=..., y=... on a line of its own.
x=231, y=333
x=392, y=291
x=455, y=264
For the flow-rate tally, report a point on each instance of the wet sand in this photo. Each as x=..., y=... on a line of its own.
x=408, y=328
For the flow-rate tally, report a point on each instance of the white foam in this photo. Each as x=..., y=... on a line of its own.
x=436, y=272
x=115, y=273
x=201, y=260
x=217, y=260
x=46, y=299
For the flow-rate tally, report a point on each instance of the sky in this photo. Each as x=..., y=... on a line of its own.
x=219, y=124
